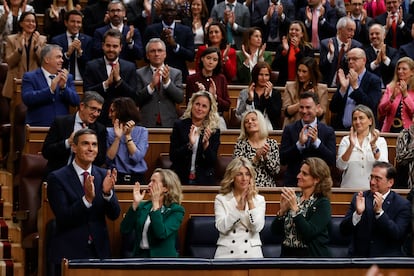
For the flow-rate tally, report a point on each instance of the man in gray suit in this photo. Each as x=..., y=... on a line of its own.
x=160, y=87
x=236, y=18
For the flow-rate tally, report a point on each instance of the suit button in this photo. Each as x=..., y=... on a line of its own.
x=247, y=230
x=234, y=231
x=233, y=241
x=245, y=241
x=231, y=252
x=245, y=251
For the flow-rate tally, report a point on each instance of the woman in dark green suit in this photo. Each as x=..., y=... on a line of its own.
x=156, y=221
x=304, y=218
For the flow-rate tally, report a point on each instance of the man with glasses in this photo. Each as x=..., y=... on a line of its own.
x=132, y=49
x=378, y=219
x=57, y=145
x=362, y=21
x=160, y=88
x=357, y=86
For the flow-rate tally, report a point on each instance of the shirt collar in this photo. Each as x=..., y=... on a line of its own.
x=313, y=124
x=79, y=170
x=120, y=27
x=109, y=62
x=69, y=35
x=172, y=26
x=46, y=73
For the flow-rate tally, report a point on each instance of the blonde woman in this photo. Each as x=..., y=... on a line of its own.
x=156, y=221
x=240, y=212
x=195, y=140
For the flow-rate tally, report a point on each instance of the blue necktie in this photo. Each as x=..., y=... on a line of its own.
x=228, y=28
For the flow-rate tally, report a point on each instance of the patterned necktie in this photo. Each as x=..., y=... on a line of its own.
x=315, y=34
x=228, y=27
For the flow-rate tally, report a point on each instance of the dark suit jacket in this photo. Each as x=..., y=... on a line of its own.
x=312, y=229
x=75, y=222
x=54, y=149
x=183, y=36
x=292, y=157
x=162, y=232
x=368, y=93
x=43, y=105
x=384, y=236
x=327, y=68
x=161, y=102
x=180, y=155
x=403, y=34
x=95, y=75
x=407, y=50
x=127, y=53
x=362, y=32
x=93, y=17
x=86, y=42
x=383, y=71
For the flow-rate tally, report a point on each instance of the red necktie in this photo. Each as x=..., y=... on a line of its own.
x=85, y=176
x=315, y=34
x=394, y=31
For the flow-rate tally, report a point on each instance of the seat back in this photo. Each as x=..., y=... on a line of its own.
x=338, y=243
x=271, y=243
x=221, y=166
x=201, y=237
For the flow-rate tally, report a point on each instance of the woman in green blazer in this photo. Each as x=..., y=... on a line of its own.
x=304, y=218
x=156, y=221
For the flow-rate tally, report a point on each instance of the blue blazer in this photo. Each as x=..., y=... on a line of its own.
x=42, y=105
x=292, y=157
x=75, y=222
x=162, y=232
x=368, y=93
x=86, y=42
x=384, y=236
x=183, y=35
x=127, y=53
x=180, y=155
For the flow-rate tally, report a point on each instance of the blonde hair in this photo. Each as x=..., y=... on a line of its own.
x=410, y=81
x=171, y=181
x=320, y=170
x=233, y=168
x=212, y=119
x=263, y=131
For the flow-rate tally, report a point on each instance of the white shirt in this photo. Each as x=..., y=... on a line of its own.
x=357, y=170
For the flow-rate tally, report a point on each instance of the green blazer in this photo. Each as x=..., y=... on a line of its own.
x=312, y=229
x=243, y=72
x=162, y=232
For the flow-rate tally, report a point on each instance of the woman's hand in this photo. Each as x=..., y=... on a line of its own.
x=374, y=137
x=206, y=138
x=294, y=41
x=289, y=195
x=192, y=135
x=262, y=152
x=128, y=127
x=245, y=54
x=261, y=52
x=200, y=86
x=268, y=89
x=118, y=128
x=213, y=88
x=352, y=137
x=137, y=196
x=252, y=87
x=156, y=192
x=285, y=43
x=403, y=88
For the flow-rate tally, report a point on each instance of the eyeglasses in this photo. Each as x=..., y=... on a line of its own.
x=357, y=4
x=94, y=109
x=353, y=58
x=116, y=11
x=376, y=178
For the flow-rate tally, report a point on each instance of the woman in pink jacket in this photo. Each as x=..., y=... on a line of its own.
x=396, y=108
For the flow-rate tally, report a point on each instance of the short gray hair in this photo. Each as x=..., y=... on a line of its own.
x=343, y=22
x=155, y=40
x=92, y=96
x=46, y=51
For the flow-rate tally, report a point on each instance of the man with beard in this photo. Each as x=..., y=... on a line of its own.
x=111, y=76
x=178, y=38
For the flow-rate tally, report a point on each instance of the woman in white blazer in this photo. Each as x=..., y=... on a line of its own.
x=240, y=212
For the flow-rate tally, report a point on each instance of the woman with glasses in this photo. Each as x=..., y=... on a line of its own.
x=127, y=143
x=396, y=107
x=359, y=150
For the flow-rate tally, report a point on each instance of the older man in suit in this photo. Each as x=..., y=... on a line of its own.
x=306, y=137
x=48, y=91
x=362, y=21
x=57, y=145
x=111, y=76
x=178, y=38
x=159, y=88
x=77, y=47
x=132, y=49
x=378, y=219
x=358, y=86
x=333, y=50
x=236, y=17
x=81, y=197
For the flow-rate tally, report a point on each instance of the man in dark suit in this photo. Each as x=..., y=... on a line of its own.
x=57, y=145
x=397, y=24
x=236, y=17
x=362, y=21
x=76, y=47
x=378, y=219
x=141, y=13
x=306, y=138
x=111, y=76
x=132, y=49
x=407, y=50
x=381, y=58
x=332, y=56
x=356, y=87
x=160, y=88
x=48, y=91
x=95, y=16
x=178, y=38
x=81, y=197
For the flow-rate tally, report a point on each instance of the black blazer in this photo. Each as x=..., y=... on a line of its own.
x=368, y=93
x=383, y=71
x=407, y=50
x=403, y=34
x=54, y=149
x=95, y=75
x=180, y=155
x=292, y=157
x=384, y=236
